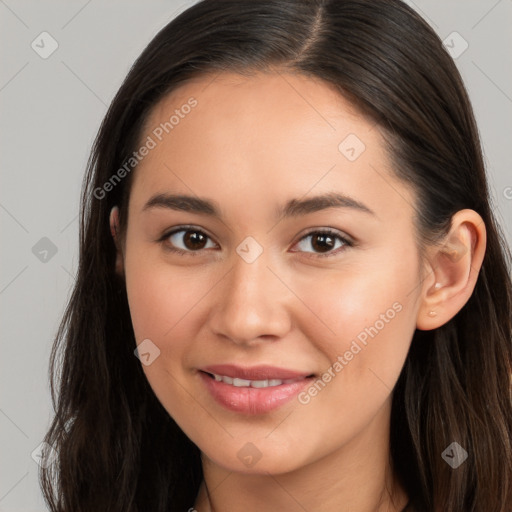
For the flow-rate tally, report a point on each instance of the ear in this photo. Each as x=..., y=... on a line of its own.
x=114, y=230
x=452, y=270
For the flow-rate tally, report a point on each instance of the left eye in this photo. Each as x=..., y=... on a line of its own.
x=324, y=242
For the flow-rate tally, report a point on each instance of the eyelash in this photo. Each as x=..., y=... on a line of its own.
x=329, y=232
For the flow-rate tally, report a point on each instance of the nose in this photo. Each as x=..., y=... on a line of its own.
x=250, y=304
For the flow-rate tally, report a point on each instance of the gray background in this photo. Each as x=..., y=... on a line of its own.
x=51, y=110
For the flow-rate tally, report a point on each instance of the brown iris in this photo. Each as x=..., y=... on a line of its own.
x=325, y=242
x=194, y=240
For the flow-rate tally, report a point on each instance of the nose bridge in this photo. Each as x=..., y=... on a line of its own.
x=250, y=303
x=249, y=277
x=250, y=282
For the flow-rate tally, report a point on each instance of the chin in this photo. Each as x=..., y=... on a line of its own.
x=256, y=458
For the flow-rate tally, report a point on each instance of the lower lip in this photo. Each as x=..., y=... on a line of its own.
x=250, y=400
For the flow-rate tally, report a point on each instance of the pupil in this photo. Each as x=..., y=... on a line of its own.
x=192, y=238
x=326, y=242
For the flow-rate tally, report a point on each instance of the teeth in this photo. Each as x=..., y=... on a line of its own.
x=244, y=383
x=259, y=384
x=239, y=383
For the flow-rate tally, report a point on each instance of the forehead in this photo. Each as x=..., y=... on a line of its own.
x=263, y=134
x=263, y=101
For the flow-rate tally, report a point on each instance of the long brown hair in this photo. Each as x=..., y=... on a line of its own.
x=118, y=449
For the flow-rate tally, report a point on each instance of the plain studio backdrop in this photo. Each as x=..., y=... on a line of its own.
x=62, y=63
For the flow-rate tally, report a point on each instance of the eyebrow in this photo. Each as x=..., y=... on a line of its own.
x=292, y=208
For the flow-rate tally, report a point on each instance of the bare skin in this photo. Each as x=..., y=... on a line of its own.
x=250, y=145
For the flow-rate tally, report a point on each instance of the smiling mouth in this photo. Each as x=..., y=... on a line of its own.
x=246, y=383
x=253, y=390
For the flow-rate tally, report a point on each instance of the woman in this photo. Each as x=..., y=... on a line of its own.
x=292, y=291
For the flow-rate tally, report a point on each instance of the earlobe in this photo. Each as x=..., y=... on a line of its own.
x=454, y=268
x=114, y=230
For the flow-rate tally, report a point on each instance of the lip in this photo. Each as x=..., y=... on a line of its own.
x=249, y=400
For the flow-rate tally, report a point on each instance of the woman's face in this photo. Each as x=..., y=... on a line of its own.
x=280, y=159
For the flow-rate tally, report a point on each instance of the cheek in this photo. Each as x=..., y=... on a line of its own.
x=161, y=298
x=366, y=344
x=165, y=307
x=364, y=323
x=348, y=302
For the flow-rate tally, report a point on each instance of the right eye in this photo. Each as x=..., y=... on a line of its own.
x=186, y=240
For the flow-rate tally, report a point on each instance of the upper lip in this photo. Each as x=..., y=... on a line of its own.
x=261, y=372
